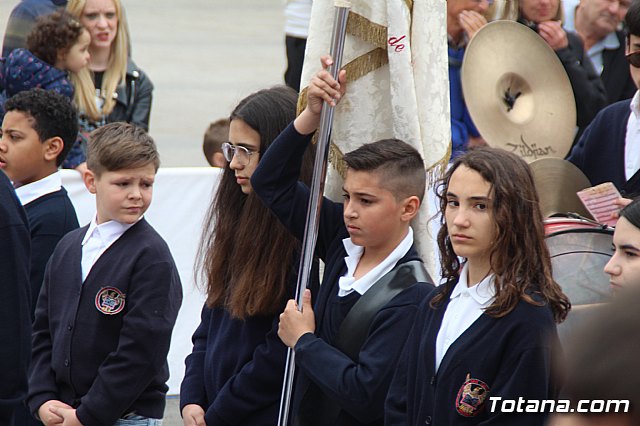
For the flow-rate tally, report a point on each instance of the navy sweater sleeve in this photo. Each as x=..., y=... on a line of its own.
x=361, y=387
x=192, y=389
x=15, y=321
x=275, y=182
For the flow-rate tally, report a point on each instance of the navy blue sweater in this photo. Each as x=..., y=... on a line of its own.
x=511, y=355
x=600, y=151
x=101, y=346
x=50, y=218
x=358, y=387
x=15, y=321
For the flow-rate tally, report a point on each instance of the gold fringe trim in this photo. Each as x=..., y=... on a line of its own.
x=409, y=4
x=361, y=27
x=359, y=67
x=336, y=160
x=436, y=171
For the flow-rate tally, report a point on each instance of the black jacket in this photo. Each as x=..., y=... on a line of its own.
x=133, y=99
x=615, y=73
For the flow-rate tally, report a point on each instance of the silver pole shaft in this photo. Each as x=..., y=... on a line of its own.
x=315, y=202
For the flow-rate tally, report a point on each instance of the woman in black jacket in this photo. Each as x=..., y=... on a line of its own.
x=113, y=88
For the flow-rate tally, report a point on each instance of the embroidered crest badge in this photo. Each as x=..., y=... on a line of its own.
x=471, y=397
x=110, y=300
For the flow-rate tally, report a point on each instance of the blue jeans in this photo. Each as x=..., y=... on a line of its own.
x=135, y=420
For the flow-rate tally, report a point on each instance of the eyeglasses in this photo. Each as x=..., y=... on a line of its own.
x=242, y=154
x=634, y=58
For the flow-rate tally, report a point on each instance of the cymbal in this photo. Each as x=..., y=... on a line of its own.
x=558, y=182
x=517, y=92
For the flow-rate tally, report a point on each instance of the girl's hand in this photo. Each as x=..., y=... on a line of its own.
x=193, y=415
x=471, y=22
x=322, y=88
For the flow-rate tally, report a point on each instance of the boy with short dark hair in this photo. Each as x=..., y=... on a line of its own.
x=371, y=285
x=109, y=300
x=38, y=130
x=214, y=137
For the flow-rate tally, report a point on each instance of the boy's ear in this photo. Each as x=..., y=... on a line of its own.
x=410, y=208
x=89, y=179
x=52, y=148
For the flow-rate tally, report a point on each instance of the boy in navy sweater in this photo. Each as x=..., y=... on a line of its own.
x=38, y=130
x=360, y=242
x=109, y=300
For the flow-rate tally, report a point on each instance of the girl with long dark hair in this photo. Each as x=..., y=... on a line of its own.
x=248, y=261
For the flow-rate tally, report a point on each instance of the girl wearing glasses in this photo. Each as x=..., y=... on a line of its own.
x=487, y=335
x=248, y=262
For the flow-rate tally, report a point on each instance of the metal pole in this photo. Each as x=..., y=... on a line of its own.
x=315, y=198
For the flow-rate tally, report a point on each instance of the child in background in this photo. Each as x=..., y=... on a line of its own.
x=57, y=45
x=249, y=264
x=214, y=137
x=109, y=299
x=39, y=129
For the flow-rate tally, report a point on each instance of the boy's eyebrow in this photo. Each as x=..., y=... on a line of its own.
x=360, y=194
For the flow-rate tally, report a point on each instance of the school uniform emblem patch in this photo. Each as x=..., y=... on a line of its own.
x=471, y=397
x=110, y=300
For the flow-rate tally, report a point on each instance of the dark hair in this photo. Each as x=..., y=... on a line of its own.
x=631, y=212
x=519, y=258
x=632, y=19
x=53, y=115
x=246, y=257
x=214, y=137
x=118, y=146
x=398, y=164
x=52, y=34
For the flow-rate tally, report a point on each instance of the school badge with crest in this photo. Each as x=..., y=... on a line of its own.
x=110, y=300
x=471, y=397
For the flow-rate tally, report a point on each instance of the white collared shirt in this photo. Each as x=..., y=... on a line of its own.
x=466, y=304
x=348, y=283
x=34, y=190
x=632, y=139
x=595, y=53
x=97, y=240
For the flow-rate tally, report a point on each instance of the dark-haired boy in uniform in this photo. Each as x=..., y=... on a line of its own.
x=109, y=300
x=343, y=368
x=39, y=129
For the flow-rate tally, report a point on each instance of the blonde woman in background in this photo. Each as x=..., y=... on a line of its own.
x=113, y=88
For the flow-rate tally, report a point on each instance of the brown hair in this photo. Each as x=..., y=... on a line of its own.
x=519, y=258
x=53, y=34
x=399, y=165
x=214, y=137
x=118, y=146
x=246, y=256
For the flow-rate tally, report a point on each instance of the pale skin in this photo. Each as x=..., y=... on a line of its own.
x=54, y=412
x=193, y=415
x=365, y=202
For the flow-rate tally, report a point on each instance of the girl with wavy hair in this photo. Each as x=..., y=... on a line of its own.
x=488, y=333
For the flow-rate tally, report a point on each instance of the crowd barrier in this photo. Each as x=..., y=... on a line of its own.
x=181, y=197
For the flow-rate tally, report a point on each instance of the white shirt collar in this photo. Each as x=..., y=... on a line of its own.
x=34, y=190
x=483, y=292
x=348, y=283
x=635, y=105
x=109, y=231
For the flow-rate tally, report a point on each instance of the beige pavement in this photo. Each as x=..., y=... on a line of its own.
x=203, y=56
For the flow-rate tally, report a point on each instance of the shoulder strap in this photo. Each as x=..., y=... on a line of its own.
x=355, y=327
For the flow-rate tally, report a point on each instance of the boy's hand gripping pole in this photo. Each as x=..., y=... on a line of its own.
x=315, y=197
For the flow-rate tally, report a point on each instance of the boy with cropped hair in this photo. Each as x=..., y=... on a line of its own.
x=217, y=133
x=109, y=300
x=348, y=343
x=38, y=130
